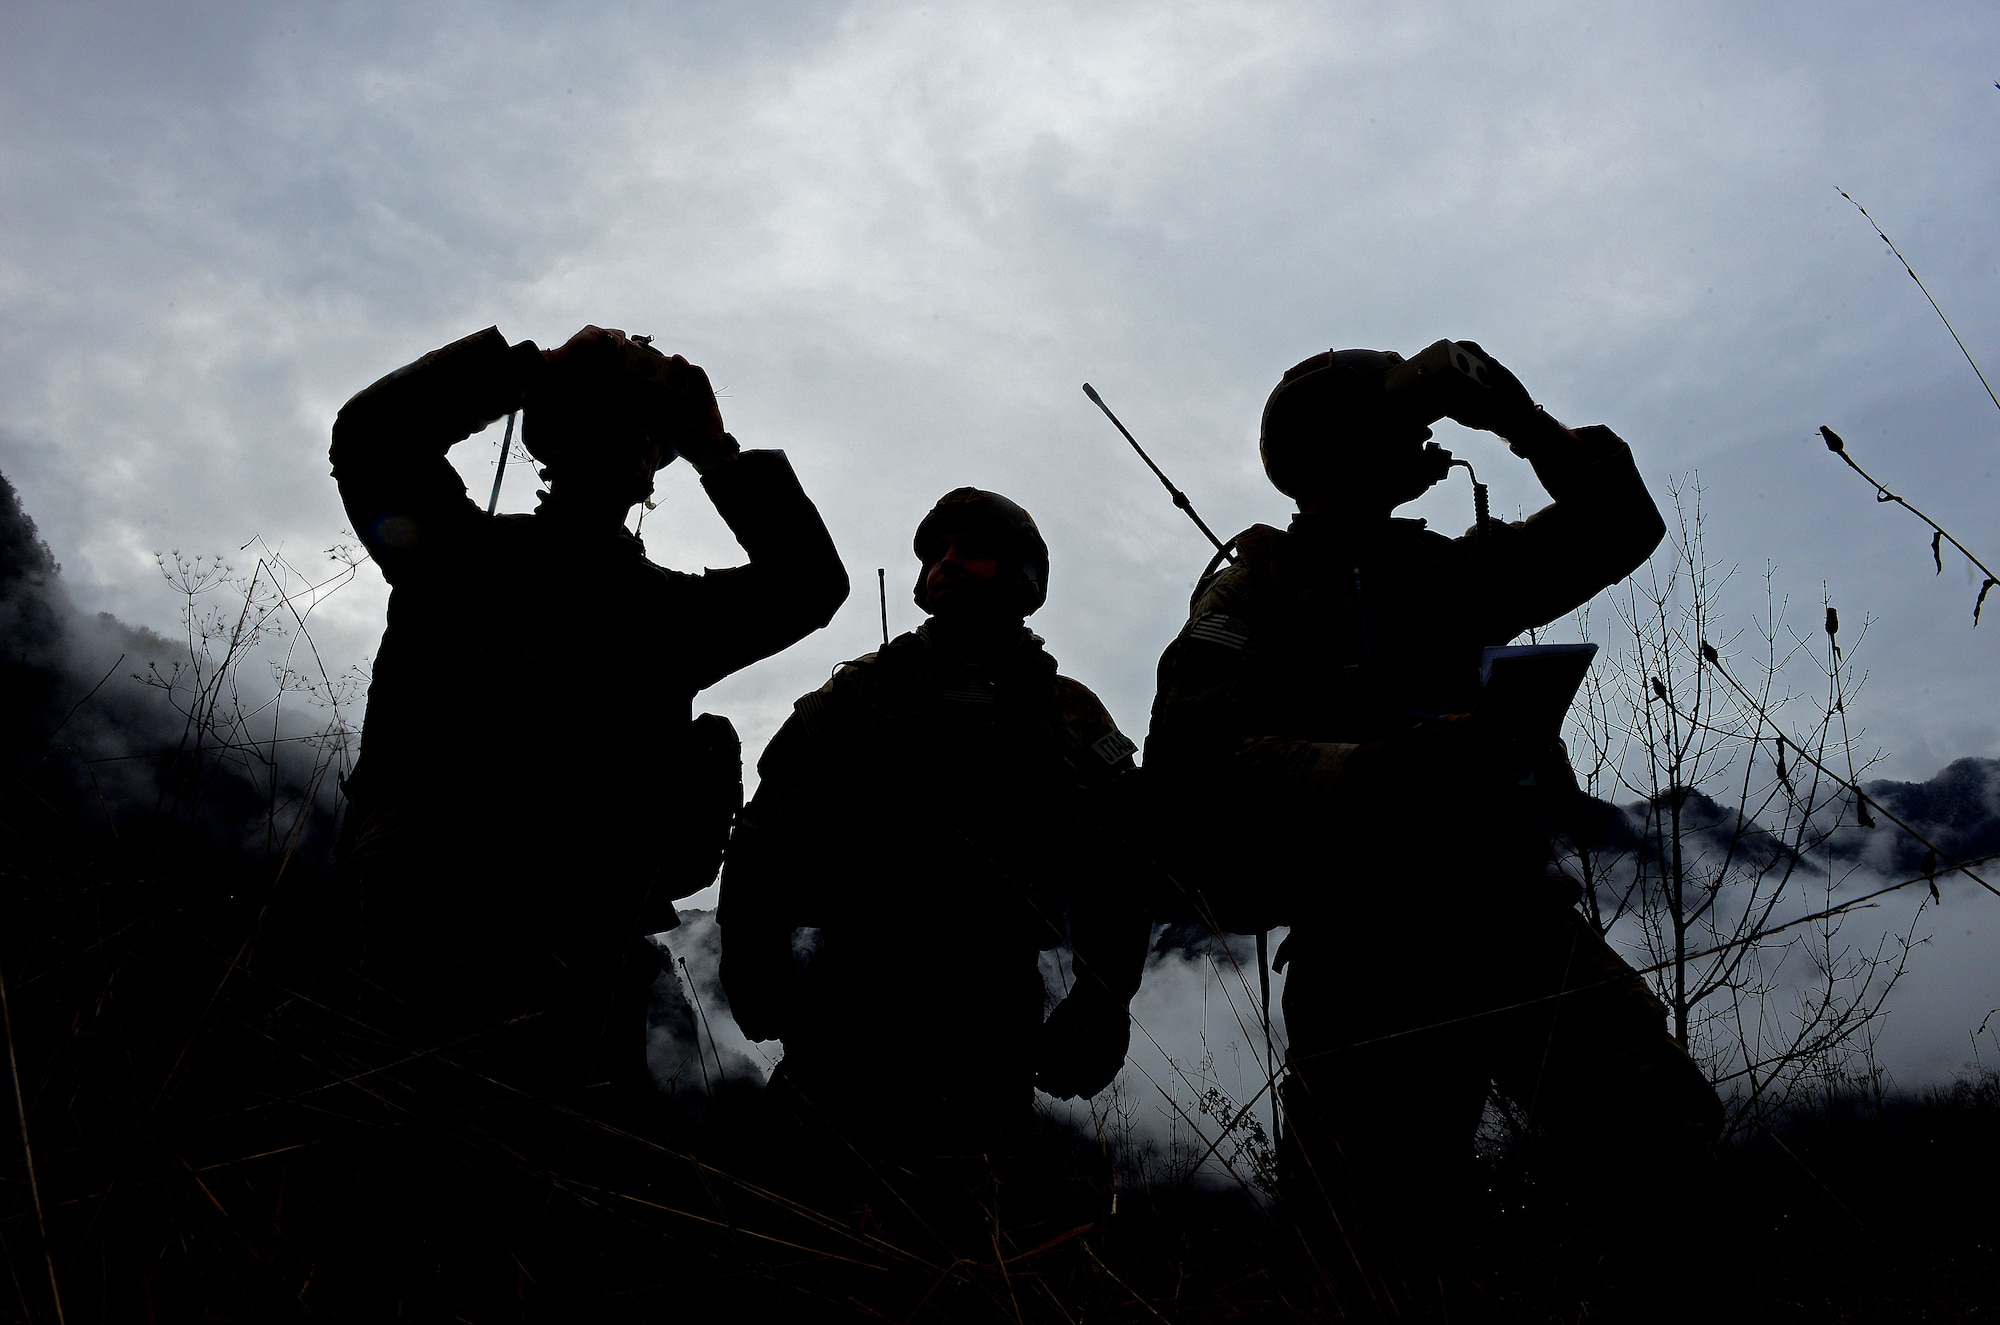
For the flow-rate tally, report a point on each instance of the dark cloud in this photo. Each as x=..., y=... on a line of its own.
x=73, y=717
x=1958, y=810
x=108, y=729
x=901, y=237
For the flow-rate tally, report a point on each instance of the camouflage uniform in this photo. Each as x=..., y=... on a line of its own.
x=932, y=812
x=526, y=765
x=1427, y=945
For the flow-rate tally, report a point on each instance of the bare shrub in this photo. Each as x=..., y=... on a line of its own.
x=1730, y=870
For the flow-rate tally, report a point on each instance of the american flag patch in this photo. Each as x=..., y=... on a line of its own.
x=972, y=690
x=1114, y=748
x=806, y=712
x=1216, y=628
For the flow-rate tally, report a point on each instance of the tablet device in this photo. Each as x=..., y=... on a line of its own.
x=1526, y=689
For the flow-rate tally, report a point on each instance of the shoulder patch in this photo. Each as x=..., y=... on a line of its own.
x=970, y=690
x=810, y=710
x=1219, y=628
x=1114, y=748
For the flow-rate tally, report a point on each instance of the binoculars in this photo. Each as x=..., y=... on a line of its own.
x=1445, y=379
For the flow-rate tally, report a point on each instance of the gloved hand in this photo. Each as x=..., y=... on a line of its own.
x=690, y=419
x=1484, y=394
x=670, y=395
x=1082, y=1044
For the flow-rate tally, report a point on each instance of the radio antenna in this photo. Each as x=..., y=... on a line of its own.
x=500, y=470
x=1180, y=498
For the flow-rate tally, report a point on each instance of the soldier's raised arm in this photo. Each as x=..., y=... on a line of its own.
x=794, y=580
x=402, y=495
x=1321, y=761
x=404, y=498
x=1600, y=527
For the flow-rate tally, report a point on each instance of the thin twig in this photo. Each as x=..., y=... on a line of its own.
x=28, y=1151
x=1838, y=445
x=86, y=699
x=1715, y=660
x=1927, y=294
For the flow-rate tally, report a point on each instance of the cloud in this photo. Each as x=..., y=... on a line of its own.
x=174, y=756
x=902, y=236
x=1873, y=873
x=72, y=712
x=1958, y=809
x=1196, y=1058
x=694, y=1049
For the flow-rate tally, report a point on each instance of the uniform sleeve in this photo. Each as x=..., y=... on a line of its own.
x=793, y=583
x=768, y=874
x=1601, y=527
x=1109, y=924
x=403, y=498
x=1211, y=759
x=1204, y=735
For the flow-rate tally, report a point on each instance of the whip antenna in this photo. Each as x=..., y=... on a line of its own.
x=1180, y=498
x=882, y=588
x=500, y=471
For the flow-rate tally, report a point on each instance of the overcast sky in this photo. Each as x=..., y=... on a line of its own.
x=900, y=238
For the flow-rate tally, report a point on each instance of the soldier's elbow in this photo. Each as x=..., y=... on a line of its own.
x=831, y=592
x=811, y=604
x=1646, y=535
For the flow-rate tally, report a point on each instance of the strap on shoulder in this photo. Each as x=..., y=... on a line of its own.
x=1258, y=549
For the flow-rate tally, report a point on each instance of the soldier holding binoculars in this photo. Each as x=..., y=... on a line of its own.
x=1320, y=711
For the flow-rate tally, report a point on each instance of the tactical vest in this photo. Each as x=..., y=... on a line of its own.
x=1344, y=644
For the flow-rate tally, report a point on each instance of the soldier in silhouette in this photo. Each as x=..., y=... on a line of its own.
x=523, y=773
x=1312, y=712
x=532, y=793
x=935, y=812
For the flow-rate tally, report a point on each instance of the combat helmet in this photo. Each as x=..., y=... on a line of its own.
x=1024, y=557
x=1319, y=412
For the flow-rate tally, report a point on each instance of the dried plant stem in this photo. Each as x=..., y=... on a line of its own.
x=1838, y=445
x=1962, y=867
x=1705, y=882
x=1927, y=294
x=1839, y=909
x=27, y=1150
